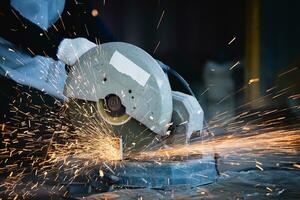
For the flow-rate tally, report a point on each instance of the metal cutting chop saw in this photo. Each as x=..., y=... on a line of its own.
x=132, y=93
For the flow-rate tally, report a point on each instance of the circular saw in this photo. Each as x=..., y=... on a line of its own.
x=131, y=92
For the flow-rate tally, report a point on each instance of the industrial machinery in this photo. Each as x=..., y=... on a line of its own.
x=132, y=92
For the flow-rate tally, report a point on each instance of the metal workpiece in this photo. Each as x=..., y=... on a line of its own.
x=189, y=172
x=177, y=172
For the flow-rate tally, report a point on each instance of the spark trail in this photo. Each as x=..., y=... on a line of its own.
x=41, y=142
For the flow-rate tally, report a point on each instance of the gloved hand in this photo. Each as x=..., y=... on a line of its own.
x=70, y=50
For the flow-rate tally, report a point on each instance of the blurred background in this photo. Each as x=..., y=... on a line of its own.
x=235, y=53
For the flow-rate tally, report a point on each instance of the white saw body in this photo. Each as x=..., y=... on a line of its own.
x=129, y=88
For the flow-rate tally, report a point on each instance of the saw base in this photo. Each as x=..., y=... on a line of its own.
x=182, y=172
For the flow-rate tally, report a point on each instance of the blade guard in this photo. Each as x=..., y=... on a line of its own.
x=128, y=72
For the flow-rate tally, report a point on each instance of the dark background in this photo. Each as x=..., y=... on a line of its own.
x=190, y=33
x=193, y=32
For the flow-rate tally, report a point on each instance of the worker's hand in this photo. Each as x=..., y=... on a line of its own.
x=70, y=50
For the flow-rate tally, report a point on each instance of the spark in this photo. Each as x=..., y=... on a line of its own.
x=206, y=90
x=253, y=80
x=18, y=18
x=101, y=173
x=72, y=148
x=95, y=13
x=156, y=47
x=231, y=41
x=294, y=97
x=296, y=165
x=259, y=167
x=235, y=64
x=61, y=20
x=269, y=189
x=288, y=71
x=182, y=123
x=279, y=141
x=160, y=19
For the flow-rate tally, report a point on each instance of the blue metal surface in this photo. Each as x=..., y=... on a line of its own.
x=160, y=175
